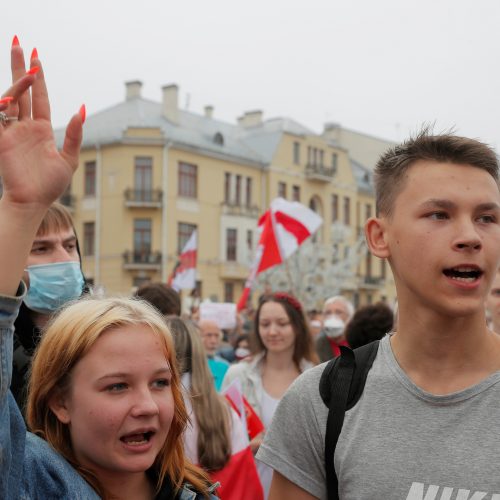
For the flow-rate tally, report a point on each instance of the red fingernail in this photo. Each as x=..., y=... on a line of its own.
x=34, y=54
x=83, y=113
x=15, y=41
x=33, y=71
x=6, y=100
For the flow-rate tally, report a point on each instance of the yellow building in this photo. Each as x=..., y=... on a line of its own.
x=151, y=173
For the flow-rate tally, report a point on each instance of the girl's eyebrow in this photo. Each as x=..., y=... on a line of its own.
x=160, y=371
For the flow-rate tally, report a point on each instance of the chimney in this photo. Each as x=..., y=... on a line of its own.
x=209, y=111
x=250, y=119
x=171, y=102
x=133, y=89
x=331, y=131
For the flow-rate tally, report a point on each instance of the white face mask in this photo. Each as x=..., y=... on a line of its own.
x=333, y=326
x=241, y=352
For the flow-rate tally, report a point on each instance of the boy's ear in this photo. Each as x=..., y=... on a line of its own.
x=57, y=404
x=376, y=238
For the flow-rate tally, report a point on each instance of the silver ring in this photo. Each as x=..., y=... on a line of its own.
x=4, y=119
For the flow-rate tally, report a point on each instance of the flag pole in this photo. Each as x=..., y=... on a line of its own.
x=290, y=279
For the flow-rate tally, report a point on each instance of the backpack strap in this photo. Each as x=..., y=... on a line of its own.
x=340, y=387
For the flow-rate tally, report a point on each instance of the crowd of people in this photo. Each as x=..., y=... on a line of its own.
x=127, y=398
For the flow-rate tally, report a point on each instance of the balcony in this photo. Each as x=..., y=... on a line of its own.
x=319, y=172
x=68, y=200
x=240, y=209
x=143, y=198
x=142, y=260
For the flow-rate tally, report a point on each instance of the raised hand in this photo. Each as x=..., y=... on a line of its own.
x=34, y=173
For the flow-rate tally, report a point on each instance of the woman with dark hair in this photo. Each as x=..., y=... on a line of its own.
x=283, y=349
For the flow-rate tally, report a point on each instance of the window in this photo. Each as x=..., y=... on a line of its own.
x=88, y=238
x=368, y=265
x=228, y=292
x=296, y=153
x=227, y=187
x=334, y=162
x=335, y=208
x=188, y=179
x=238, y=190
x=347, y=211
x=321, y=157
x=231, y=236
x=143, y=180
x=250, y=239
x=219, y=139
x=249, y=192
x=296, y=193
x=142, y=239
x=368, y=212
x=184, y=232
x=310, y=158
x=383, y=270
x=282, y=189
x=90, y=178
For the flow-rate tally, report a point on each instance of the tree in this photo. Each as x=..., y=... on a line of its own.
x=317, y=270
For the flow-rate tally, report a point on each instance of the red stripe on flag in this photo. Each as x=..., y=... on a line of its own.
x=239, y=479
x=188, y=260
x=271, y=255
x=293, y=226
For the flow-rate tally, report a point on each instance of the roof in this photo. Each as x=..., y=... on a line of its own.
x=256, y=145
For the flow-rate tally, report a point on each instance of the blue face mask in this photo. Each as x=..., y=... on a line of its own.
x=52, y=285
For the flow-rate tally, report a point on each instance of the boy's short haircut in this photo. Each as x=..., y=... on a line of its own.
x=391, y=169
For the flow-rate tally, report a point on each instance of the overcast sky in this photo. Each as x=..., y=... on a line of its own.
x=380, y=67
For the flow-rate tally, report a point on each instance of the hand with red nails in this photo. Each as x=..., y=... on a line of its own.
x=34, y=173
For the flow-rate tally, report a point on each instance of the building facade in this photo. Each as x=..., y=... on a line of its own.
x=152, y=173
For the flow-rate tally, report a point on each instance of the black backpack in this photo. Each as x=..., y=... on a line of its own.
x=340, y=387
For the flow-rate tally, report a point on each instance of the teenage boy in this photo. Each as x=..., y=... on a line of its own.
x=427, y=425
x=53, y=271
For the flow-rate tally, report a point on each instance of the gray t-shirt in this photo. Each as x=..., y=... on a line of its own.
x=397, y=443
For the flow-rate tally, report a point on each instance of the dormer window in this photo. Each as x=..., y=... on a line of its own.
x=219, y=139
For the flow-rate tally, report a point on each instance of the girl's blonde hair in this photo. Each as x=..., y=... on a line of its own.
x=211, y=410
x=67, y=339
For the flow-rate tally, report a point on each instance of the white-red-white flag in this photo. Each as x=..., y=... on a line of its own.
x=184, y=274
x=284, y=227
x=239, y=478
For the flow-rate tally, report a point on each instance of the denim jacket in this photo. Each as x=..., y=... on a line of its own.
x=29, y=467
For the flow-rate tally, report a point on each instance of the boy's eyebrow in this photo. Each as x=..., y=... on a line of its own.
x=438, y=203
x=46, y=241
x=70, y=239
x=488, y=206
x=449, y=205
